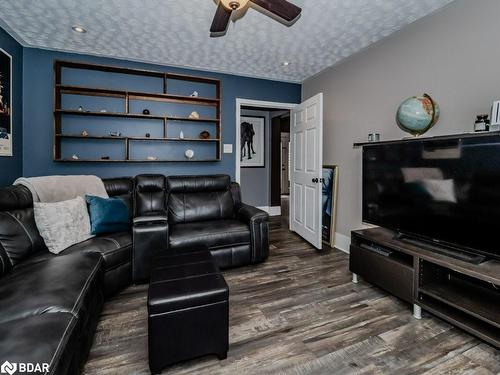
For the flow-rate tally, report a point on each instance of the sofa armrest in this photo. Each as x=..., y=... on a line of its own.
x=150, y=238
x=258, y=222
x=153, y=217
x=247, y=213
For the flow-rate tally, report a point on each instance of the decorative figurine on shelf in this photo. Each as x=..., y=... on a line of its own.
x=75, y=157
x=84, y=133
x=194, y=94
x=152, y=158
x=189, y=154
x=105, y=157
x=103, y=110
x=146, y=111
x=194, y=115
x=115, y=134
x=181, y=135
x=148, y=135
x=204, y=134
x=80, y=109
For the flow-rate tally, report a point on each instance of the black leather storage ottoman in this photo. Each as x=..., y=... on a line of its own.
x=188, y=310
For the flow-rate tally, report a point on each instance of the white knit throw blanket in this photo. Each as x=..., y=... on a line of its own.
x=47, y=189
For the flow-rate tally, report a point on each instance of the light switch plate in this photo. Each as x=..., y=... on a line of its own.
x=228, y=148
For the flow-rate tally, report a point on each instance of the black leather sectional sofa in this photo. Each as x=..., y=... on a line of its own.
x=50, y=304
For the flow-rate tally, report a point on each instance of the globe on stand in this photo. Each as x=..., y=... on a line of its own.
x=417, y=114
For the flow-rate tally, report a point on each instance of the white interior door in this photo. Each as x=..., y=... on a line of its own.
x=306, y=133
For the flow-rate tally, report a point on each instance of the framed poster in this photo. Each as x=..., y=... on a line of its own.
x=5, y=103
x=252, y=142
x=330, y=177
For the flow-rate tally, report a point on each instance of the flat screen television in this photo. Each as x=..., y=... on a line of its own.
x=446, y=191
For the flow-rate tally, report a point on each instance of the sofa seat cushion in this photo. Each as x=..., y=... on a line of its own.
x=211, y=234
x=46, y=338
x=56, y=284
x=116, y=248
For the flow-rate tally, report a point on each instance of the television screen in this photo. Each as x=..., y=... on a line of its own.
x=445, y=190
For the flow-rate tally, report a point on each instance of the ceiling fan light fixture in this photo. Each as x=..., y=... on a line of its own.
x=79, y=29
x=234, y=4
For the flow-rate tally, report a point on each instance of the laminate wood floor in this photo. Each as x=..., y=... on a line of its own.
x=299, y=313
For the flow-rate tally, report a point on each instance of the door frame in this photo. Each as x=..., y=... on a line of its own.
x=241, y=102
x=287, y=156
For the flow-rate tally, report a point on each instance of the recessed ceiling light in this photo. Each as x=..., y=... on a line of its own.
x=285, y=63
x=79, y=29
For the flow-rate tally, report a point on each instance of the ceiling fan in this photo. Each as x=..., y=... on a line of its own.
x=280, y=8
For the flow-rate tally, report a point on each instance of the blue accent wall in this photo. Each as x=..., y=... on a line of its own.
x=38, y=116
x=12, y=167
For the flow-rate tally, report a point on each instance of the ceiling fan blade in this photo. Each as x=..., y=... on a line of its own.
x=221, y=19
x=281, y=8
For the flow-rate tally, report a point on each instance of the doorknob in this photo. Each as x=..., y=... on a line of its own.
x=315, y=180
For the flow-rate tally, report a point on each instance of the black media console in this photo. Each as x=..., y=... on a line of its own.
x=462, y=293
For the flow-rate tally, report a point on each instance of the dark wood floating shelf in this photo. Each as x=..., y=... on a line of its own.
x=134, y=161
x=130, y=71
x=135, y=95
x=437, y=137
x=128, y=96
x=132, y=138
x=133, y=115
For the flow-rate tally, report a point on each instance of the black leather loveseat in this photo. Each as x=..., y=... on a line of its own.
x=50, y=305
x=195, y=212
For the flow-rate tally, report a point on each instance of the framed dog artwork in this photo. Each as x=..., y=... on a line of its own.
x=252, y=142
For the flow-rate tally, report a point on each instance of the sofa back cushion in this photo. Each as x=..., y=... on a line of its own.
x=199, y=198
x=149, y=193
x=123, y=188
x=19, y=236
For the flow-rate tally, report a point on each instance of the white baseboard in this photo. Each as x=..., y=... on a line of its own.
x=272, y=211
x=342, y=242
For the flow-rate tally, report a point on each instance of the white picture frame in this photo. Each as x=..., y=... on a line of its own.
x=252, y=144
x=6, y=130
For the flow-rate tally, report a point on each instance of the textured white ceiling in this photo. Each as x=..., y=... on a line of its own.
x=176, y=32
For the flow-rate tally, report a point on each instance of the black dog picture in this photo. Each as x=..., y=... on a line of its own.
x=252, y=141
x=247, y=136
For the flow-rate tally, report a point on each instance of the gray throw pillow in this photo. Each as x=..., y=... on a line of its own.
x=62, y=224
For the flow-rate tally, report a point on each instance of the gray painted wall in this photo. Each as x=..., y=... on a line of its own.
x=454, y=55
